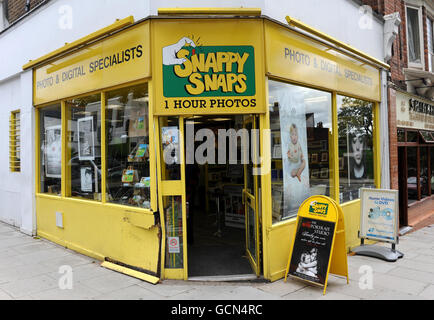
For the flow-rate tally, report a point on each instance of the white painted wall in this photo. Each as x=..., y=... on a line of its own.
x=43, y=32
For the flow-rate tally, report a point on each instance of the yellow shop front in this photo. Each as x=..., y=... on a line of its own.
x=181, y=149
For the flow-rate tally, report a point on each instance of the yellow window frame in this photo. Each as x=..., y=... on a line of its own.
x=15, y=141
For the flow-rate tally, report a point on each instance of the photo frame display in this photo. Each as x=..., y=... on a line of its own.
x=86, y=138
x=324, y=157
x=53, y=151
x=86, y=179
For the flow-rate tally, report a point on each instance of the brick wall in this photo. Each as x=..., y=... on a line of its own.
x=17, y=8
x=393, y=139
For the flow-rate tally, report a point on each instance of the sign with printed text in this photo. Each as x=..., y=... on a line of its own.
x=318, y=244
x=414, y=113
x=122, y=58
x=379, y=214
x=205, y=68
x=292, y=56
x=173, y=244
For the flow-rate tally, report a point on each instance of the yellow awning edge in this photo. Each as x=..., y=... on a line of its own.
x=298, y=24
x=210, y=11
x=119, y=24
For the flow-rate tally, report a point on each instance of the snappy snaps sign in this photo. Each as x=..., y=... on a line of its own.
x=211, y=71
x=207, y=68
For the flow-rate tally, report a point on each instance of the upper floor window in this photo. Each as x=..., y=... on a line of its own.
x=430, y=44
x=414, y=42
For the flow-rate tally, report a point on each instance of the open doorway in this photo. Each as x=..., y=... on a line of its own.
x=216, y=218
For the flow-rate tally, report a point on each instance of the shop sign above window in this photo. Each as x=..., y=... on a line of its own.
x=204, y=67
x=414, y=113
x=119, y=59
x=294, y=57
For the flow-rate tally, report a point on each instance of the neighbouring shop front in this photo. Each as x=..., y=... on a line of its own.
x=180, y=148
x=415, y=123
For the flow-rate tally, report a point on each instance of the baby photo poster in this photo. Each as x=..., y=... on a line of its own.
x=294, y=149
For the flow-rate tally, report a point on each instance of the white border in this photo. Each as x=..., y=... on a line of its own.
x=364, y=192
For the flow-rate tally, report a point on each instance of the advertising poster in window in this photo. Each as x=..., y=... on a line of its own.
x=86, y=139
x=170, y=142
x=86, y=179
x=53, y=151
x=379, y=214
x=311, y=251
x=294, y=150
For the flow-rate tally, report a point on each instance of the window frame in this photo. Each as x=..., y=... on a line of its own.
x=102, y=93
x=334, y=159
x=416, y=65
x=14, y=143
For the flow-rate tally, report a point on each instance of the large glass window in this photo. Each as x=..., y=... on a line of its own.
x=424, y=183
x=432, y=169
x=413, y=36
x=127, y=138
x=300, y=123
x=356, y=159
x=84, y=147
x=51, y=149
x=412, y=184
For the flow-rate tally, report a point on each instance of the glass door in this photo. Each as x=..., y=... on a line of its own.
x=250, y=192
x=171, y=197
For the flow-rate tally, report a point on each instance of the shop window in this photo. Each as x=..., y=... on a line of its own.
x=430, y=44
x=15, y=142
x=424, y=183
x=127, y=138
x=412, y=177
x=50, y=135
x=300, y=123
x=170, y=160
x=413, y=36
x=356, y=159
x=84, y=147
x=401, y=135
x=412, y=136
x=432, y=168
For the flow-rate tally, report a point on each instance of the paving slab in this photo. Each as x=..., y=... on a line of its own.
x=282, y=288
x=25, y=287
x=412, y=274
x=428, y=292
x=77, y=292
x=110, y=282
x=398, y=284
x=134, y=292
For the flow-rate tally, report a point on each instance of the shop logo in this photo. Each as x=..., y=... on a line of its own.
x=318, y=208
x=191, y=70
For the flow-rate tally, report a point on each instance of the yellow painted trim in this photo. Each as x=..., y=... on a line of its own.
x=335, y=148
x=47, y=196
x=183, y=193
x=37, y=152
x=377, y=145
x=210, y=11
x=152, y=146
x=349, y=203
x=103, y=149
x=266, y=210
x=64, y=151
x=130, y=272
x=119, y=24
x=298, y=24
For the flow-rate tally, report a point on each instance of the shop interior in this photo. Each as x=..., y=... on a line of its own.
x=216, y=234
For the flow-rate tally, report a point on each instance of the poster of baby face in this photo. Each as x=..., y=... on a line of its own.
x=294, y=149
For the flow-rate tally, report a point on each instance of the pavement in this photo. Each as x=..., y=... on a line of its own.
x=36, y=269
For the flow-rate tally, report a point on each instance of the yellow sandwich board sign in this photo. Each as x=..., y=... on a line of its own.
x=318, y=245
